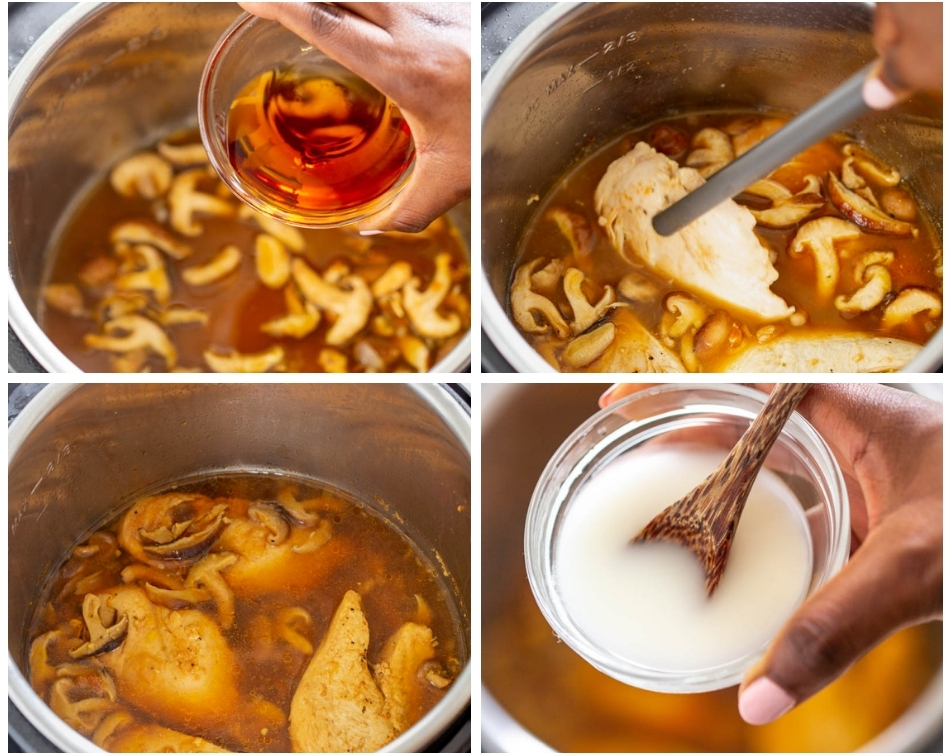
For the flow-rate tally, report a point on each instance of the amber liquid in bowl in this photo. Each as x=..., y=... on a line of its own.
x=306, y=142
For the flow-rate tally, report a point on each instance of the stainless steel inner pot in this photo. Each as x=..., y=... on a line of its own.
x=580, y=75
x=105, y=80
x=78, y=451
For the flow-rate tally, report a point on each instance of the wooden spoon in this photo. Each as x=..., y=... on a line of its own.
x=704, y=520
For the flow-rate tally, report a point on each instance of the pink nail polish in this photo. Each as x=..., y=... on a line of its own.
x=370, y=232
x=764, y=701
x=878, y=96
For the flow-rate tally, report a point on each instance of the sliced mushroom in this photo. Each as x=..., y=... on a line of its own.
x=83, y=701
x=98, y=271
x=526, y=303
x=272, y=261
x=223, y=263
x=131, y=332
x=186, y=201
x=546, y=278
x=820, y=237
x=183, y=155
x=749, y=131
x=236, y=362
x=392, y=279
x=898, y=203
x=181, y=315
x=415, y=352
x=135, y=572
x=585, y=314
x=319, y=536
x=867, y=164
x=186, y=539
x=863, y=212
x=294, y=325
x=712, y=152
x=909, y=303
x=350, y=302
x=206, y=574
x=877, y=283
x=176, y=598
x=332, y=361
x=786, y=208
x=586, y=348
x=66, y=298
x=269, y=517
x=95, y=612
x=133, y=232
x=637, y=288
x=121, y=303
x=719, y=332
x=41, y=671
x=421, y=306
x=682, y=314
x=150, y=274
x=291, y=623
x=291, y=237
x=575, y=228
x=302, y=513
x=143, y=175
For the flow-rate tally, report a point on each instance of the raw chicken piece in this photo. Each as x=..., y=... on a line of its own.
x=717, y=256
x=635, y=350
x=337, y=705
x=175, y=664
x=830, y=353
x=398, y=674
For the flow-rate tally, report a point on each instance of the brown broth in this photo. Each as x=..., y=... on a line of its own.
x=917, y=260
x=239, y=304
x=365, y=553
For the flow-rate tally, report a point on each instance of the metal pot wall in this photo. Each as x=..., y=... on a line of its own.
x=104, y=80
x=77, y=451
x=580, y=75
x=520, y=433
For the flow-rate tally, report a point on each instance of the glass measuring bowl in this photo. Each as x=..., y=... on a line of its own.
x=296, y=135
x=664, y=417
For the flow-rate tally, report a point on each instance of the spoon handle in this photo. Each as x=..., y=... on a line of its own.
x=832, y=113
x=752, y=448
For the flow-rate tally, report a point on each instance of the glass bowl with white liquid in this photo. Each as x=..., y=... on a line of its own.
x=639, y=612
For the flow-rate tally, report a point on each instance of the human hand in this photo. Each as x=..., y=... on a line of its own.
x=908, y=38
x=418, y=55
x=888, y=444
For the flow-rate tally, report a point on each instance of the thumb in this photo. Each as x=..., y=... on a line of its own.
x=883, y=88
x=885, y=586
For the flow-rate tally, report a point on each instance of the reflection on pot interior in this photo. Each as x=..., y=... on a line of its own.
x=162, y=269
x=248, y=613
x=828, y=264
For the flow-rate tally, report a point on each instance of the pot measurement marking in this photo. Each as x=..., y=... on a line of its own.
x=608, y=47
x=23, y=509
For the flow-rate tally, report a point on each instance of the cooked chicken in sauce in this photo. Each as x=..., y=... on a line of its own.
x=245, y=615
x=826, y=265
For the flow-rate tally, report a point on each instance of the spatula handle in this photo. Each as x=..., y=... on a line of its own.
x=835, y=111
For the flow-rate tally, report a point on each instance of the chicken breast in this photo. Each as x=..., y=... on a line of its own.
x=337, y=706
x=398, y=673
x=830, y=353
x=717, y=256
x=174, y=663
x=635, y=349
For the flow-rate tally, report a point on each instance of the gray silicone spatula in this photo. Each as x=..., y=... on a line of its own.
x=833, y=112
